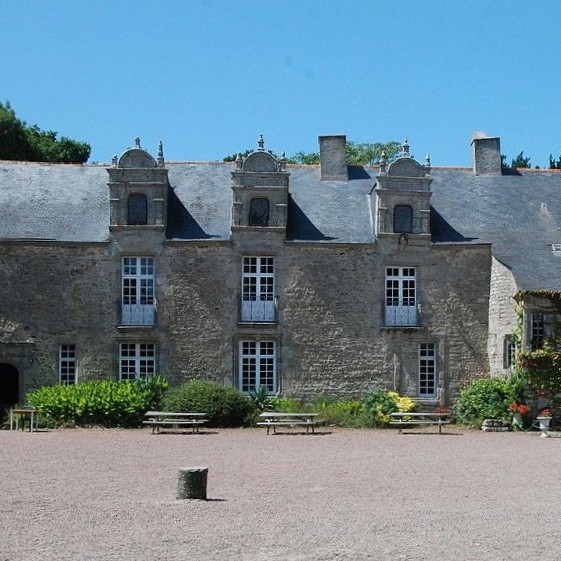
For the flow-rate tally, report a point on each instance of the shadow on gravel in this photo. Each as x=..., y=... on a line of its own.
x=295, y=433
x=413, y=433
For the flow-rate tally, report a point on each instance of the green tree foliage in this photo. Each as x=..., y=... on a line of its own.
x=519, y=162
x=553, y=163
x=29, y=143
x=369, y=153
x=358, y=154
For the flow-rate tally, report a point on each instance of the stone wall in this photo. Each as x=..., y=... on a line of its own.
x=331, y=337
x=503, y=318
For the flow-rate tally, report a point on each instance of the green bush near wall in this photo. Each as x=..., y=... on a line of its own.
x=103, y=403
x=488, y=398
x=223, y=406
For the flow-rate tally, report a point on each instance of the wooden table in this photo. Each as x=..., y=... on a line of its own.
x=20, y=414
x=272, y=420
x=400, y=420
x=157, y=419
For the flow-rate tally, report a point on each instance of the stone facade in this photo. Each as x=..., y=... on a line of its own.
x=245, y=276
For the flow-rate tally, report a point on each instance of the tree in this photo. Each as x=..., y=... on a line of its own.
x=14, y=144
x=358, y=154
x=23, y=143
x=369, y=153
x=553, y=163
x=520, y=161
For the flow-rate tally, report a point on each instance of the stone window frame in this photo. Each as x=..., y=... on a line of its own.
x=428, y=370
x=257, y=365
x=140, y=356
x=67, y=373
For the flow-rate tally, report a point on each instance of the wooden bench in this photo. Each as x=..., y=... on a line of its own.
x=272, y=420
x=158, y=419
x=401, y=420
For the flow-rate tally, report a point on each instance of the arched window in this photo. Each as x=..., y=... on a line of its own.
x=137, y=209
x=403, y=219
x=259, y=212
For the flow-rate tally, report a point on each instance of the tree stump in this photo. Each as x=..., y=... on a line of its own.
x=191, y=483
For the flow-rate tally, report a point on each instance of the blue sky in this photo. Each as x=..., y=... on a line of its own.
x=208, y=76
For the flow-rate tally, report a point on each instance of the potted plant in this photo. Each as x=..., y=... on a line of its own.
x=517, y=410
x=544, y=417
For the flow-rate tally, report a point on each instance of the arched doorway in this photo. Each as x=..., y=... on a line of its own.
x=9, y=386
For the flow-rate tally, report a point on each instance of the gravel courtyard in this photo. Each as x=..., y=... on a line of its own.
x=340, y=495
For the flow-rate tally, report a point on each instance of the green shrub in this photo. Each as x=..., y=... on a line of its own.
x=379, y=405
x=261, y=399
x=341, y=412
x=104, y=403
x=224, y=407
x=487, y=398
x=288, y=405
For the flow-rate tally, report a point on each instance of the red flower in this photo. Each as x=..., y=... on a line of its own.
x=518, y=408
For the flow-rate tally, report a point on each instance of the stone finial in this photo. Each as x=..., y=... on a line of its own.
x=427, y=163
x=239, y=161
x=114, y=161
x=405, y=148
x=261, y=143
x=160, y=154
x=282, y=161
x=383, y=162
x=137, y=142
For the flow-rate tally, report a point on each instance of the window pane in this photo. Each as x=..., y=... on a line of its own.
x=259, y=212
x=137, y=209
x=67, y=364
x=402, y=219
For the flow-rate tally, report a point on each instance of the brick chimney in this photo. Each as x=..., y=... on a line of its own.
x=333, y=157
x=486, y=152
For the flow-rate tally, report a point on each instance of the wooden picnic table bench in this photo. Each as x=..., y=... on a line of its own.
x=272, y=420
x=158, y=419
x=401, y=420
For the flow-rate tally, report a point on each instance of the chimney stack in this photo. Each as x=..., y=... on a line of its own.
x=486, y=152
x=333, y=156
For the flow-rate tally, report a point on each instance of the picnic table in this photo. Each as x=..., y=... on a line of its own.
x=272, y=420
x=402, y=419
x=158, y=419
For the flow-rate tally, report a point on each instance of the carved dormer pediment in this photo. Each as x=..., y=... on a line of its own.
x=138, y=185
x=260, y=190
x=260, y=162
x=401, y=196
x=406, y=167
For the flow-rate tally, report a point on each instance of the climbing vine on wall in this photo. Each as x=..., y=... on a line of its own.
x=542, y=370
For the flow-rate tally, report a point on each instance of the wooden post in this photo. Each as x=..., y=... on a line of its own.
x=191, y=483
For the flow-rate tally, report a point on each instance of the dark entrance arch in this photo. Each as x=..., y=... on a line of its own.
x=9, y=386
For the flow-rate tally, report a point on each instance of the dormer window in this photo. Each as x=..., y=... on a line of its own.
x=403, y=219
x=137, y=210
x=259, y=212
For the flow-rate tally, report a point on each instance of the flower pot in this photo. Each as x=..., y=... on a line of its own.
x=516, y=421
x=544, y=422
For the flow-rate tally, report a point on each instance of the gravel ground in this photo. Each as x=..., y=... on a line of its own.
x=340, y=495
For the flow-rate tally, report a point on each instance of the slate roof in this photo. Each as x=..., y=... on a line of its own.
x=520, y=215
